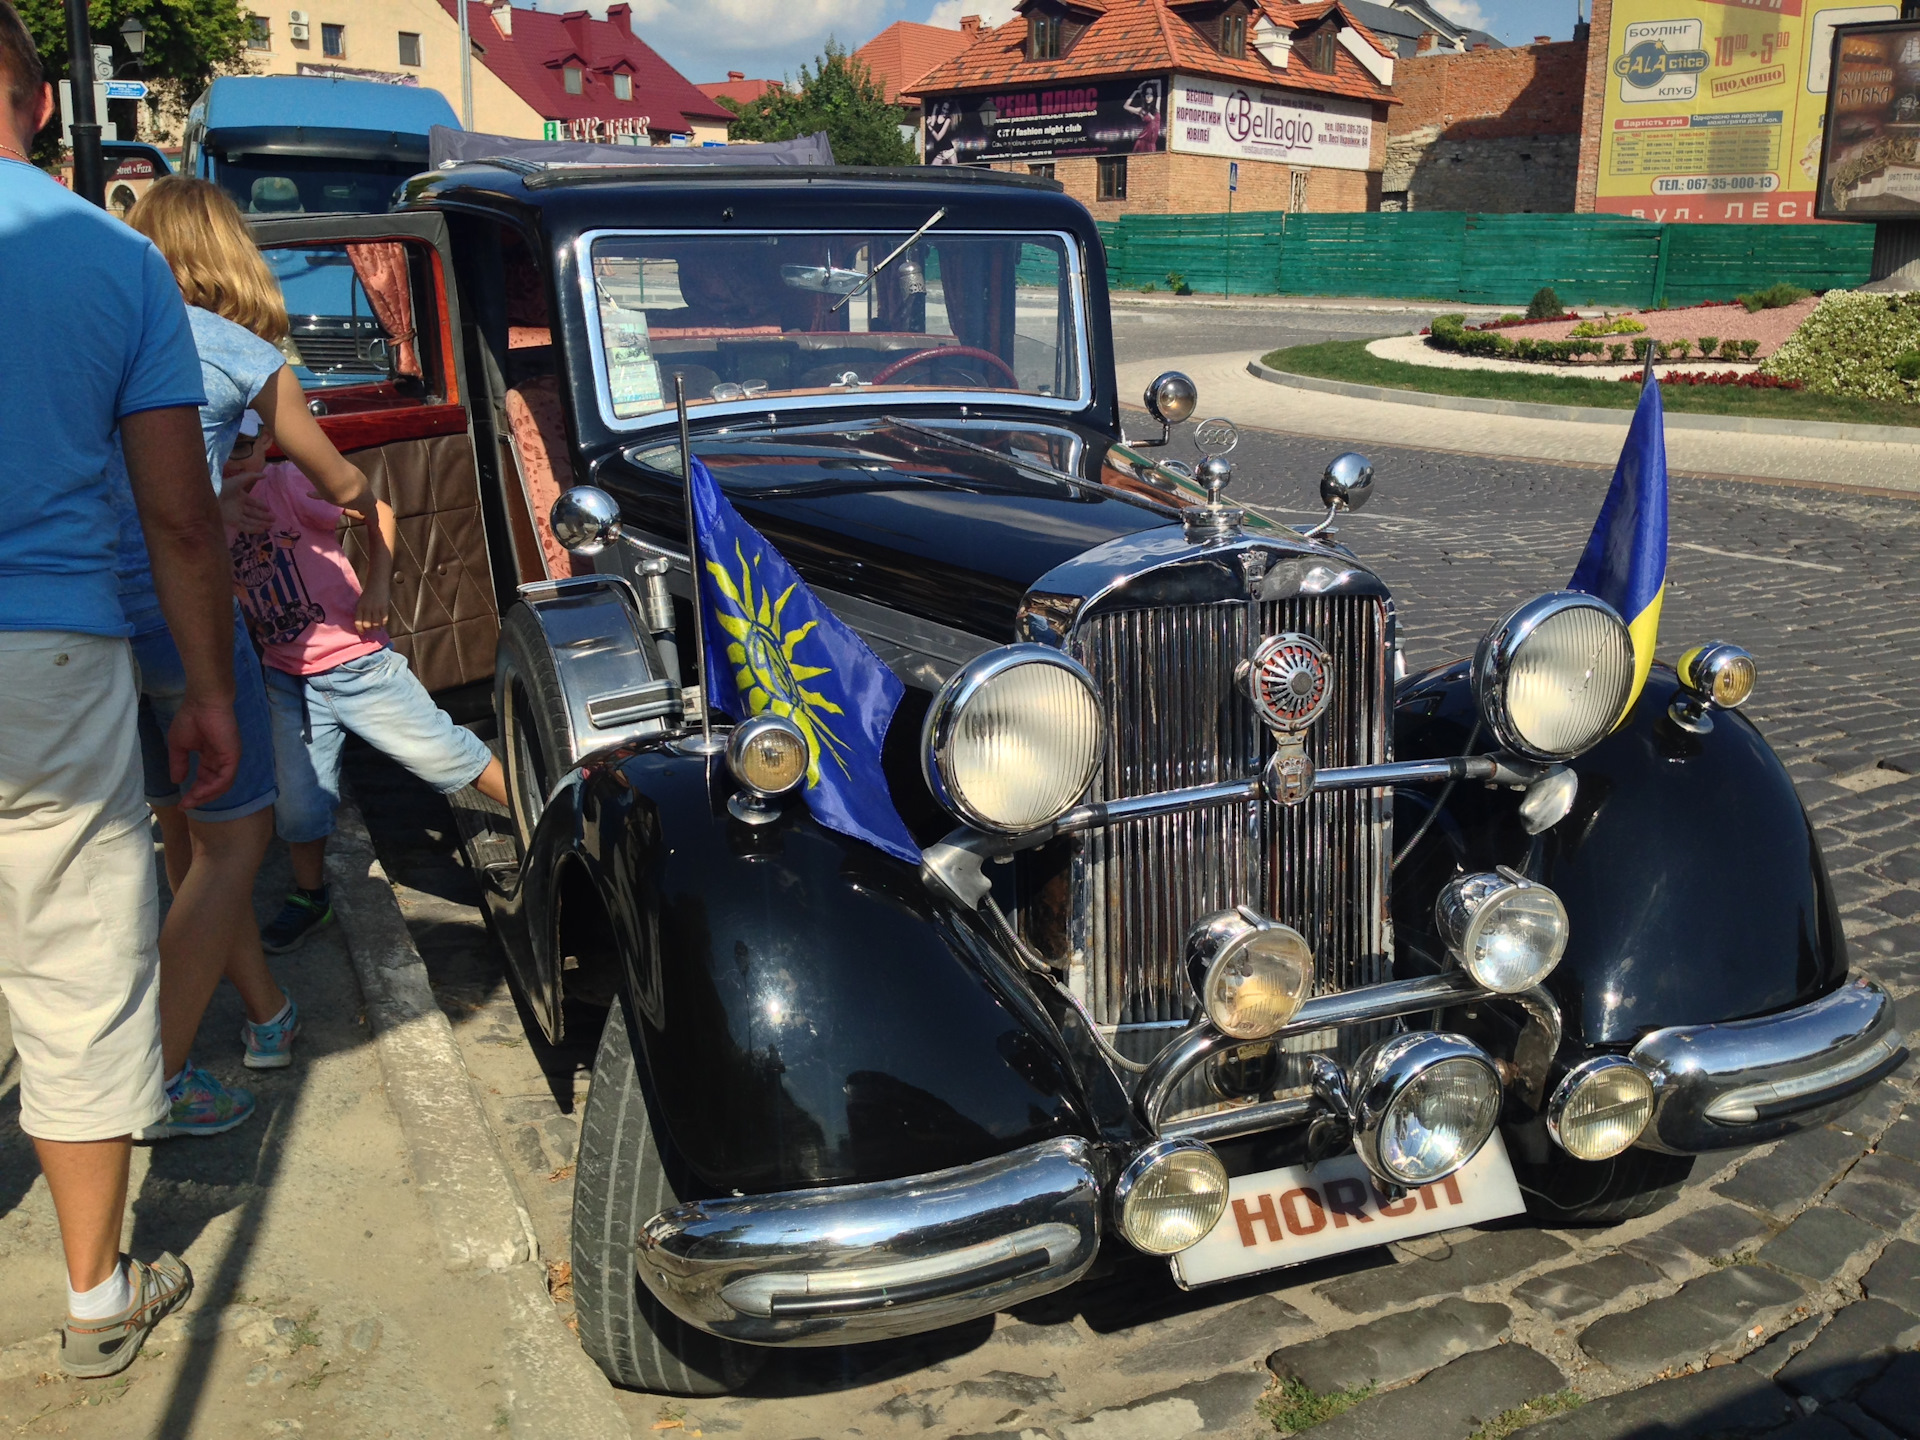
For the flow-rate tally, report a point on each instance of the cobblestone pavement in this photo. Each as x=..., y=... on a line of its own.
x=1778, y=1294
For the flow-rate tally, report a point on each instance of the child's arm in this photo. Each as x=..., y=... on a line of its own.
x=283, y=405
x=376, y=594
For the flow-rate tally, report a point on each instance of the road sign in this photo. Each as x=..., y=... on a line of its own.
x=126, y=89
x=1233, y=176
x=550, y=130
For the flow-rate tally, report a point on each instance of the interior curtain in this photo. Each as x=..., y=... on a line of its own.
x=976, y=281
x=382, y=268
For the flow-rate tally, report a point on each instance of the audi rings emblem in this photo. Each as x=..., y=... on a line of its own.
x=1287, y=679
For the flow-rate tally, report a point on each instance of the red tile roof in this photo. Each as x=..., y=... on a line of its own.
x=1130, y=37
x=529, y=62
x=900, y=54
x=737, y=88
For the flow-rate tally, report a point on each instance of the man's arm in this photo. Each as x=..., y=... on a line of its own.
x=167, y=465
x=282, y=404
x=376, y=596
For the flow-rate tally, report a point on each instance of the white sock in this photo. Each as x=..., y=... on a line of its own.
x=111, y=1296
x=278, y=1016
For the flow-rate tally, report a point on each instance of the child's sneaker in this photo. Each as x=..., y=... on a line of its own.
x=201, y=1105
x=304, y=912
x=270, y=1043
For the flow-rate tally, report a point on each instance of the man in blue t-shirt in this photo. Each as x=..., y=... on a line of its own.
x=96, y=340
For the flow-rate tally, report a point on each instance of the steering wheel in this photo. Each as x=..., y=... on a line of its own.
x=947, y=352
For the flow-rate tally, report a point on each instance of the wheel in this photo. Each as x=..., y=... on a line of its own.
x=623, y=1181
x=1602, y=1192
x=534, y=733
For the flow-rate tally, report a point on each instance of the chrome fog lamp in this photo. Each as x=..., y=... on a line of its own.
x=1013, y=739
x=769, y=756
x=1712, y=676
x=1251, y=974
x=1507, y=931
x=1423, y=1105
x=1600, y=1108
x=1552, y=677
x=1169, y=1196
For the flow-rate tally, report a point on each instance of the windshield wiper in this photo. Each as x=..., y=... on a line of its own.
x=874, y=274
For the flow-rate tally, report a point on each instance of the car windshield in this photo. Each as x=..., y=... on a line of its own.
x=300, y=184
x=802, y=314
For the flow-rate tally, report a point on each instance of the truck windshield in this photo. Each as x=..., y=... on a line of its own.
x=302, y=184
x=751, y=316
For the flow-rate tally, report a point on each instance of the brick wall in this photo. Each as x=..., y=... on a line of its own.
x=1493, y=94
x=1588, y=185
x=1507, y=174
x=1175, y=184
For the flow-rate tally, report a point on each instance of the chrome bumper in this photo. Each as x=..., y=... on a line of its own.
x=1751, y=1080
x=874, y=1261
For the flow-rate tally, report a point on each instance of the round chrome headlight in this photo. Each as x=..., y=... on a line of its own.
x=1600, y=1108
x=1013, y=739
x=1169, y=1196
x=1252, y=975
x=1553, y=677
x=1508, y=932
x=1424, y=1105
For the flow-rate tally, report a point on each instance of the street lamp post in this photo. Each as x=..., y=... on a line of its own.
x=466, y=67
x=89, y=179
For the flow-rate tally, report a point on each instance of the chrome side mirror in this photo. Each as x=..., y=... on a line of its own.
x=585, y=519
x=1170, y=399
x=1347, y=484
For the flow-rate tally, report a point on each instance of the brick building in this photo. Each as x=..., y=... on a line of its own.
x=1488, y=130
x=1144, y=105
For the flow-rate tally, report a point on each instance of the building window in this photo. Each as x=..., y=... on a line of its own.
x=409, y=48
x=1233, y=34
x=1321, y=48
x=623, y=87
x=259, y=33
x=1043, y=36
x=575, y=79
x=1112, y=178
x=1045, y=172
x=333, y=41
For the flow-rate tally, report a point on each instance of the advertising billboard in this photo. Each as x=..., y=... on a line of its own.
x=1870, y=162
x=1241, y=122
x=1096, y=117
x=1714, y=109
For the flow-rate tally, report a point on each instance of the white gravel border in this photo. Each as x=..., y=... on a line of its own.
x=1414, y=350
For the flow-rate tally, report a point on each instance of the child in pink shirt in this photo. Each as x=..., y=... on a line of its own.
x=330, y=669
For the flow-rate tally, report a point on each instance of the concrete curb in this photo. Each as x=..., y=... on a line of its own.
x=1130, y=299
x=1591, y=414
x=553, y=1388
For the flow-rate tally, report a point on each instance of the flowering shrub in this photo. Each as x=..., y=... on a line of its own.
x=1849, y=344
x=1747, y=379
x=1618, y=325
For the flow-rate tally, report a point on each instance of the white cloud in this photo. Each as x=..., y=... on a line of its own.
x=703, y=39
x=948, y=13
x=1464, y=12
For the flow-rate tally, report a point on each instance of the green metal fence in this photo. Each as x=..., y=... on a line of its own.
x=1480, y=259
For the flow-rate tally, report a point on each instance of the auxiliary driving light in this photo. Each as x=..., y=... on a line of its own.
x=1712, y=676
x=768, y=755
x=1553, y=676
x=1600, y=1108
x=1507, y=931
x=1424, y=1103
x=1251, y=974
x=1169, y=1196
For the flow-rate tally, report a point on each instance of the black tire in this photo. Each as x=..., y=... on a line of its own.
x=1602, y=1192
x=623, y=1181
x=535, y=740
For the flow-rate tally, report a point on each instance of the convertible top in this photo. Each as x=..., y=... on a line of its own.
x=448, y=147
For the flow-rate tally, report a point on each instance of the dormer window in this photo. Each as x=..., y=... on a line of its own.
x=1233, y=35
x=1043, y=35
x=623, y=86
x=575, y=80
x=1320, y=48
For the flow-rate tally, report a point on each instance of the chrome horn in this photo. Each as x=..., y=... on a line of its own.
x=585, y=519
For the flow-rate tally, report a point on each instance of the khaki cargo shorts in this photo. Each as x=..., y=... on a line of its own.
x=79, y=912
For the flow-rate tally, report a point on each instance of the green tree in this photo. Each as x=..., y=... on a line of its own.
x=188, y=43
x=840, y=96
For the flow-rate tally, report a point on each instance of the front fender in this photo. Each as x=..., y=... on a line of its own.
x=808, y=1012
x=1694, y=886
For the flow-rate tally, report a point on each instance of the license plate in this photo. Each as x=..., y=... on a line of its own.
x=1306, y=1212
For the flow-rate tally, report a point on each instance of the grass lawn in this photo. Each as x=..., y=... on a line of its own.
x=1348, y=360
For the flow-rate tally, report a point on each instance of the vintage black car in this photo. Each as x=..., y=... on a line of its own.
x=1230, y=941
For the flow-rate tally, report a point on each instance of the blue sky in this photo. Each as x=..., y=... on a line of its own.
x=704, y=39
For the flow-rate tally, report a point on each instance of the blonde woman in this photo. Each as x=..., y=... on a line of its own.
x=213, y=851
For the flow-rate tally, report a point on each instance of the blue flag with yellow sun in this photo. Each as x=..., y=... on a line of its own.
x=1625, y=562
x=773, y=648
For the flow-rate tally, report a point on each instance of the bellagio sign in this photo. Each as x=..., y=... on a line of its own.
x=1218, y=117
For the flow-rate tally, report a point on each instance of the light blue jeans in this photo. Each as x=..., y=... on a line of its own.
x=377, y=698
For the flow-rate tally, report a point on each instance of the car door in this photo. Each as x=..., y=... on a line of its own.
x=374, y=318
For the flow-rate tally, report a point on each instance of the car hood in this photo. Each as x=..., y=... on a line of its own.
x=950, y=522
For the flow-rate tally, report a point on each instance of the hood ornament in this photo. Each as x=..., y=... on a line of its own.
x=1289, y=678
x=1215, y=520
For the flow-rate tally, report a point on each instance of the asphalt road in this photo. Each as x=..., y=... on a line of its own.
x=1144, y=328
x=1783, y=1284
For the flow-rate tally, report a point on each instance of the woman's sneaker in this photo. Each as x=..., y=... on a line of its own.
x=303, y=912
x=92, y=1349
x=201, y=1105
x=270, y=1043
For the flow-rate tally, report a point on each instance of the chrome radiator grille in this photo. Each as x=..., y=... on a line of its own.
x=1177, y=720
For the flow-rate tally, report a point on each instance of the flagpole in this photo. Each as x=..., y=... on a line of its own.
x=706, y=744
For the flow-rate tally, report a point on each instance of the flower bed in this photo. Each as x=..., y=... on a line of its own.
x=1854, y=344
x=1749, y=379
x=1720, y=322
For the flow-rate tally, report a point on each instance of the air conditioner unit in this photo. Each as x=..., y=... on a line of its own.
x=296, y=17
x=297, y=33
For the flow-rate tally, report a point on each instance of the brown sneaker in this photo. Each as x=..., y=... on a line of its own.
x=92, y=1349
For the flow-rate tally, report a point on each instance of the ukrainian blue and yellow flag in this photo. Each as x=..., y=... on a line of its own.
x=1625, y=562
x=773, y=648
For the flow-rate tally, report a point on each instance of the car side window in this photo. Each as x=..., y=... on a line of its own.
x=361, y=328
